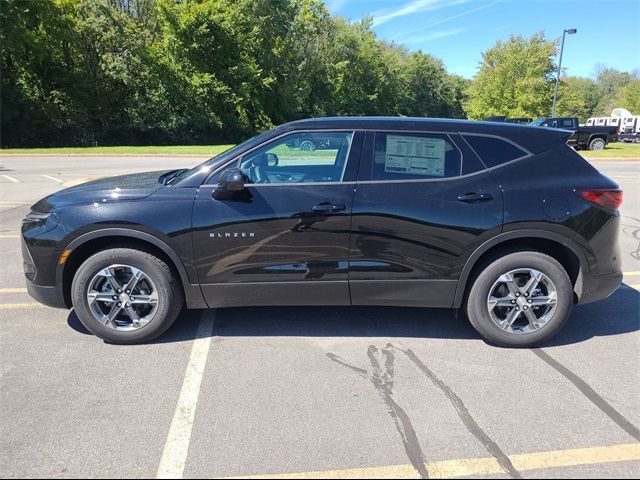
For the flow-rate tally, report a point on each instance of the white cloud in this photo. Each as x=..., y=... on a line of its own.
x=434, y=36
x=409, y=8
x=453, y=17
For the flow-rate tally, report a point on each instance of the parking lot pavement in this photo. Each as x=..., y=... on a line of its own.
x=322, y=392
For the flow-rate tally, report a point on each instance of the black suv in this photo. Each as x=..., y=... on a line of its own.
x=504, y=221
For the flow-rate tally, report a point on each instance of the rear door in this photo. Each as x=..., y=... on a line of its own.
x=285, y=238
x=423, y=203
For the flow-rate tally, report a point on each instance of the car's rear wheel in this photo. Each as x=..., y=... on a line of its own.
x=126, y=296
x=597, y=144
x=520, y=299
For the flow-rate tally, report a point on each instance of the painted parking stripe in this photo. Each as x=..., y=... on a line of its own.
x=176, y=447
x=631, y=274
x=467, y=467
x=11, y=179
x=9, y=235
x=20, y=306
x=13, y=290
x=53, y=178
x=634, y=285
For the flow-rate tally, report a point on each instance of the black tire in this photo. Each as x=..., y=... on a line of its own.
x=475, y=304
x=169, y=289
x=597, y=144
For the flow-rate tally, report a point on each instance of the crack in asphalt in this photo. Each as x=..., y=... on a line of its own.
x=382, y=380
x=463, y=413
x=590, y=393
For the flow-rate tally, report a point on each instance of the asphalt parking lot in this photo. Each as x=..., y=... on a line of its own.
x=323, y=392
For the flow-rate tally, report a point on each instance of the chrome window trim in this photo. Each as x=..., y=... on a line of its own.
x=237, y=160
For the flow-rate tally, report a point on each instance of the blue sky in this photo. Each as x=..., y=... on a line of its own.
x=458, y=31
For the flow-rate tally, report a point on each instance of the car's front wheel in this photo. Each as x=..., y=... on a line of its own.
x=520, y=299
x=126, y=296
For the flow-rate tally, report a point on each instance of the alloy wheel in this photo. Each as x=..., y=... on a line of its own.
x=122, y=297
x=522, y=301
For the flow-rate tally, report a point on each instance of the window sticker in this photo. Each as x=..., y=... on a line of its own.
x=415, y=155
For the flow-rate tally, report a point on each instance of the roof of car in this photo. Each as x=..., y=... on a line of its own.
x=532, y=138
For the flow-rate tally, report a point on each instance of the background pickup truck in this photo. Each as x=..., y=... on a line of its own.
x=584, y=137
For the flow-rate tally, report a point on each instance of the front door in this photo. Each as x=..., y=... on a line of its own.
x=285, y=238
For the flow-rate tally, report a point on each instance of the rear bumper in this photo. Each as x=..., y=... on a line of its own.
x=599, y=287
x=50, y=296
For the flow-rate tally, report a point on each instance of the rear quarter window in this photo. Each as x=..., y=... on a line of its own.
x=494, y=151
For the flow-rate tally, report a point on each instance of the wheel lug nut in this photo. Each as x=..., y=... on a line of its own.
x=517, y=294
x=525, y=307
x=128, y=292
x=119, y=304
x=133, y=298
x=127, y=305
x=119, y=291
x=115, y=297
x=513, y=301
x=530, y=301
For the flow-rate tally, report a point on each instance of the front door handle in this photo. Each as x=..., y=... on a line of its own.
x=475, y=197
x=327, y=207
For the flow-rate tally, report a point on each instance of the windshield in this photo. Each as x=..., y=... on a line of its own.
x=209, y=165
x=538, y=122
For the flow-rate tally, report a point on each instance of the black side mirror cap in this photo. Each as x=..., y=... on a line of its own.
x=231, y=181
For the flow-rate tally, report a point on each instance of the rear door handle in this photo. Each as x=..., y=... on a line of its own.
x=475, y=197
x=326, y=207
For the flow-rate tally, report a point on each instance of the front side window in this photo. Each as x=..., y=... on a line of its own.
x=414, y=156
x=301, y=157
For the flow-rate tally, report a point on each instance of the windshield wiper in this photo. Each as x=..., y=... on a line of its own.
x=169, y=176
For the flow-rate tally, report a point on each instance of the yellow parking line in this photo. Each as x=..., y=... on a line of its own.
x=19, y=306
x=634, y=285
x=631, y=274
x=10, y=236
x=485, y=466
x=13, y=290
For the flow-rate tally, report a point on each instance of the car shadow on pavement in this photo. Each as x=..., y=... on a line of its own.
x=617, y=315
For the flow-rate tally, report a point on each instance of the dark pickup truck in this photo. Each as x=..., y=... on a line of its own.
x=584, y=137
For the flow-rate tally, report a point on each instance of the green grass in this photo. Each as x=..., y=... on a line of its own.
x=203, y=150
x=614, y=150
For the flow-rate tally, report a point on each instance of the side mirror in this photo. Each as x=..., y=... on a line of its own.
x=231, y=181
x=272, y=160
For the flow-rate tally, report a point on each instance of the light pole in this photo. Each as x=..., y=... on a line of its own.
x=570, y=31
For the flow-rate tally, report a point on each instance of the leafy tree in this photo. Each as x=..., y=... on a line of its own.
x=515, y=78
x=577, y=97
x=629, y=97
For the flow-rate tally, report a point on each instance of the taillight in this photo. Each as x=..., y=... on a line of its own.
x=610, y=199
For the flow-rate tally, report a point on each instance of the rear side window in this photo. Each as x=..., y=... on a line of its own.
x=494, y=151
x=414, y=156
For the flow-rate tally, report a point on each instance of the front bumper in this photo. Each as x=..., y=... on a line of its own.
x=599, y=287
x=50, y=296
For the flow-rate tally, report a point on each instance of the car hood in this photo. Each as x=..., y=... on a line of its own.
x=111, y=189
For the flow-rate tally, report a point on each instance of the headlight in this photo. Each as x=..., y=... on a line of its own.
x=36, y=217
x=38, y=222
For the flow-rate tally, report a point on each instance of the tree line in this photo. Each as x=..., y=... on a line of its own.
x=134, y=72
